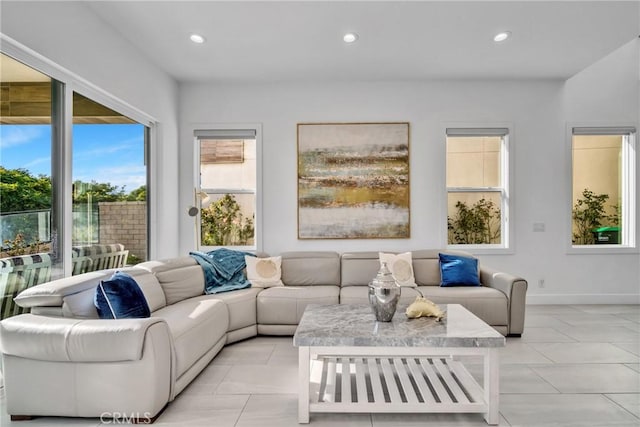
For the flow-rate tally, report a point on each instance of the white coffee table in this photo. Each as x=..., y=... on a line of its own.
x=348, y=362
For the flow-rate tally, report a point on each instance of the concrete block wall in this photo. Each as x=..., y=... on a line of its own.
x=126, y=223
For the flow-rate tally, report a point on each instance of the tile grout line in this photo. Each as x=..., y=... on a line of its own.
x=619, y=405
x=242, y=410
x=215, y=389
x=505, y=418
x=543, y=379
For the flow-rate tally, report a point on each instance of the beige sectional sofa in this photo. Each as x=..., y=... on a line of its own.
x=133, y=367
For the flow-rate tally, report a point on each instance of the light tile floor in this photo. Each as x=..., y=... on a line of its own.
x=575, y=365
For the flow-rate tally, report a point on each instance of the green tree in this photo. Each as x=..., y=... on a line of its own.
x=224, y=225
x=137, y=195
x=22, y=191
x=95, y=192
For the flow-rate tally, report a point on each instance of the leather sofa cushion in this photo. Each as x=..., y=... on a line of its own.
x=51, y=294
x=180, y=278
x=150, y=286
x=359, y=268
x=241, y=305
x=196, y=325
x=284, y=305
x=426, y=266
x=80, y=305
x=74, y=340
x=489, y=304
x=359, y=295
x=302, y=268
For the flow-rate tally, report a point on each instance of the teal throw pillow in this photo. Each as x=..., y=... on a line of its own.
x=120, y=297
x=458, y=270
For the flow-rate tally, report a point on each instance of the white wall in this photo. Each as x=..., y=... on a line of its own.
x=606, y=91
x=70, y=35
x=538, y=111
x=534, y=109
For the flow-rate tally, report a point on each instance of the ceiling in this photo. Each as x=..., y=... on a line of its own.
x=270, y=41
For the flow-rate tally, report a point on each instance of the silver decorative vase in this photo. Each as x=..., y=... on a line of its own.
x=384, y=294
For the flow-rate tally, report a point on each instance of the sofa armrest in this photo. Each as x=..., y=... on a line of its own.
x=515, y=288
x=60, y=339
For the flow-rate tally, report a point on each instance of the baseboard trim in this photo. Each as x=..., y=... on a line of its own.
x=564, y=299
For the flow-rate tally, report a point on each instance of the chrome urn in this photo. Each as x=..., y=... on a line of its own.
x=384, y=293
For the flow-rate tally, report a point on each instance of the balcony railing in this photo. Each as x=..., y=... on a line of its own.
x=21, y=272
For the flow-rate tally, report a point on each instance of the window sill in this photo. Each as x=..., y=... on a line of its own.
x=233, y=248
x=483, y=249
x=601, y=250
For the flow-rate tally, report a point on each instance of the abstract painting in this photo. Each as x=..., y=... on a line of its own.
x=353, y=181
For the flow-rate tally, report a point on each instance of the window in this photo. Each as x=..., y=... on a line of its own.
x=477, y=187
x=48, y=224
x=226, y=189
x=603, y=186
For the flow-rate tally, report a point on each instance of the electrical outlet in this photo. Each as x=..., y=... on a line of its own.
x=541, y=283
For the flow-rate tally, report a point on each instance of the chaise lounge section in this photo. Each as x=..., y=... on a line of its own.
x=136, y=366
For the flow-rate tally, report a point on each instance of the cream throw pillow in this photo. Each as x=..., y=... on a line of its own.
x=264, y=272
x=401, y=267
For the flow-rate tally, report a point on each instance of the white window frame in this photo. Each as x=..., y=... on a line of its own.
x=629, y=190
x=506, y=166
x=228, y=130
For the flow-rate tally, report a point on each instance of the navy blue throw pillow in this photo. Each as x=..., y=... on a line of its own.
x=458, y=270
x=120, y=297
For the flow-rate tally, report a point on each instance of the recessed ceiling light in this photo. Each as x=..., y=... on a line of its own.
x=197, y=38
x=350, y=37
x=500, y=37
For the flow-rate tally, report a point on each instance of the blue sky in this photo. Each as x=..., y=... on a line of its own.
x=101, y=153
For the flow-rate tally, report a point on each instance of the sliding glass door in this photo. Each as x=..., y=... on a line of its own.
x=69, y=203
x=109, y=185
x=30, y=251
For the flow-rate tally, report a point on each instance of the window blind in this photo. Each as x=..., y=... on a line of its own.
x=477, y=132
x=617, y=130
x=225, y=134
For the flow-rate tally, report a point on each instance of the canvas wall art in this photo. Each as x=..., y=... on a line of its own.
x=353, y=181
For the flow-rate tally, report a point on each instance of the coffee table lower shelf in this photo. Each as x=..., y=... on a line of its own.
x=397, y=384
x=367, y=384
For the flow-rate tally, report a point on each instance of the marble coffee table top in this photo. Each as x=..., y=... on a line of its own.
x=347, y=325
